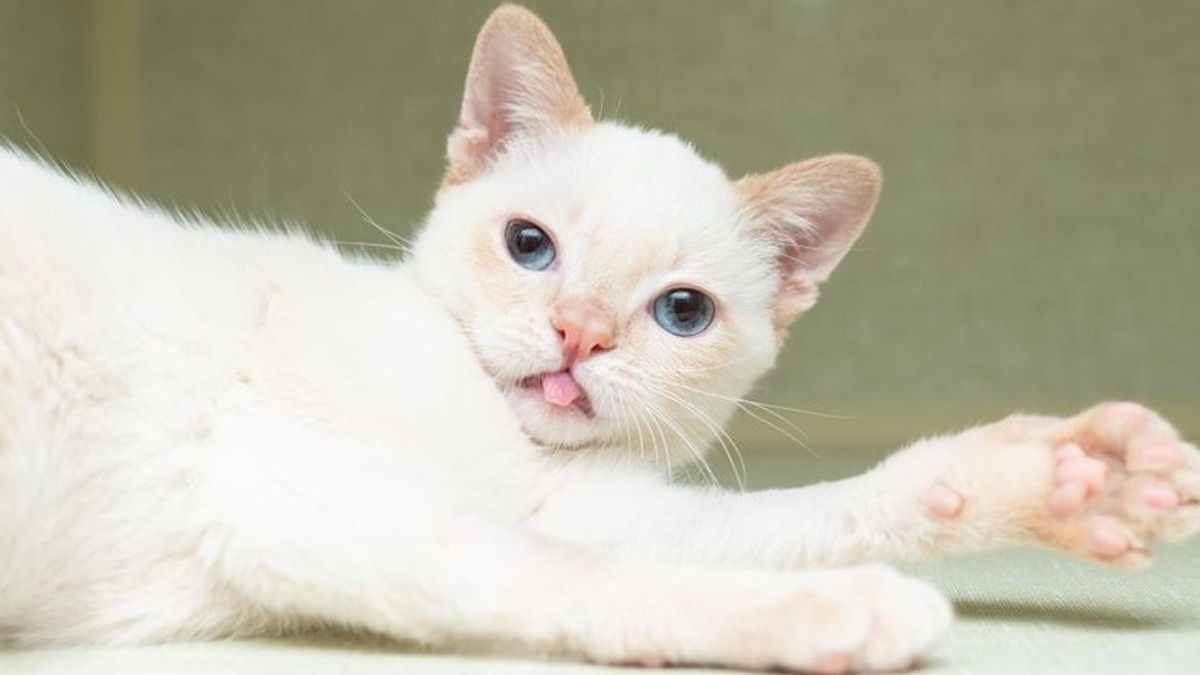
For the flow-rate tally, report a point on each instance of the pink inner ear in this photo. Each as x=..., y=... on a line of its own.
x=811, y=212
x=796, y=296
x=800, y=247
x=467, y=151
x=518, y=83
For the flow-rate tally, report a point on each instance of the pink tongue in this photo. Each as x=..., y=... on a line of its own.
x=560, y=388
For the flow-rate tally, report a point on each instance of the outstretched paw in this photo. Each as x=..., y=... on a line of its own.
x=1122, y=479
x=1119, y=478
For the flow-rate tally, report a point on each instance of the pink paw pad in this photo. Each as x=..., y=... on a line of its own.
x=832, y=664
x=1159, y=457
x=1081, y=469
x=1076, y=477
x=943, y=502
x=1120, y=477
x=1159, y=497
x=1069, y=451
x=1067, y=499
x=1108, y=544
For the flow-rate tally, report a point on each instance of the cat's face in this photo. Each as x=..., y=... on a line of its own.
x=619, y=288
x=611, y=220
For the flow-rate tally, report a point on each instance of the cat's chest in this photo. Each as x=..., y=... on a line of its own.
x=378, y=363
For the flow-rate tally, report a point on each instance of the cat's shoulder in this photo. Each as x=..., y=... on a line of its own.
x=45, y=201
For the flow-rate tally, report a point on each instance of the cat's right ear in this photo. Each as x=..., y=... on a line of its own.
x=518, y=85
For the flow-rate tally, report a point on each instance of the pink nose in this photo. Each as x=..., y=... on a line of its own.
x=584, y=329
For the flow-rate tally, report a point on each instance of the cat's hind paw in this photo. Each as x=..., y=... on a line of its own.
x=863, y=619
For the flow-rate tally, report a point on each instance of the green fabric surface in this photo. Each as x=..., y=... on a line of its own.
x=1035, y=612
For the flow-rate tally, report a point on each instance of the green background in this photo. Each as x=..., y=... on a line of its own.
x=1036, y=246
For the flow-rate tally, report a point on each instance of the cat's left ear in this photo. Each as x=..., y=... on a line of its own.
x=810, y=214
x=518, y=85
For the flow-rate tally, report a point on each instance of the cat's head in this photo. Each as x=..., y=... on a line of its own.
x=618, y=287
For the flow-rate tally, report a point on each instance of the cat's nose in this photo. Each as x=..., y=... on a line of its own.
x=585, y=330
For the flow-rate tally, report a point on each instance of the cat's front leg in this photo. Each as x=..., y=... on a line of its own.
x=325, y=533
x=1103, y=484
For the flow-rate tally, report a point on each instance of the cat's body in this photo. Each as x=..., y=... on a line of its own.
x=207, y=432
x=227, y=352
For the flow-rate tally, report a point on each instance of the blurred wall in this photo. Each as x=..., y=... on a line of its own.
x=43, y=76
x=1036, y=246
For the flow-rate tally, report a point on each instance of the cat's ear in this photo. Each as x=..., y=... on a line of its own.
x=518, y=85
x=810, y=213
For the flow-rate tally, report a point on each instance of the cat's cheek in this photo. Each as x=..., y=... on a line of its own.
x=512, y=341
x=705, y=356
x=486, y=258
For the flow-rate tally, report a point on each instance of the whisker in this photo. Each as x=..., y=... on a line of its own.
x=746, y=406
x=691, y=446
x=728, y=445
x=790, y=424
x=776, y=427
x=398, y=239
x=370, y=244
x=759, y=404
x=628, y=408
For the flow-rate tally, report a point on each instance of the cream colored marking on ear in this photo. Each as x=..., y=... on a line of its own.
x=811, y=212
x=518, y=84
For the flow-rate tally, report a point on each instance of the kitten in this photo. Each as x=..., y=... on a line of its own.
x=208, y=432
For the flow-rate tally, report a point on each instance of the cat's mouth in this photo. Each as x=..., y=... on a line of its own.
x=559, y=389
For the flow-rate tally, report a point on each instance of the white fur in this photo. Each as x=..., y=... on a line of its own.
x=150, y=369
x=156, y=374
x=210, y=432
x=213, y=432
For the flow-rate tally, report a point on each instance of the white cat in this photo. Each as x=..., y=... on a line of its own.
x=206, y=432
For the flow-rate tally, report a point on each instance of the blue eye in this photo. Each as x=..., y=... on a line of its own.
x=684, y=312
x=529, y=245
